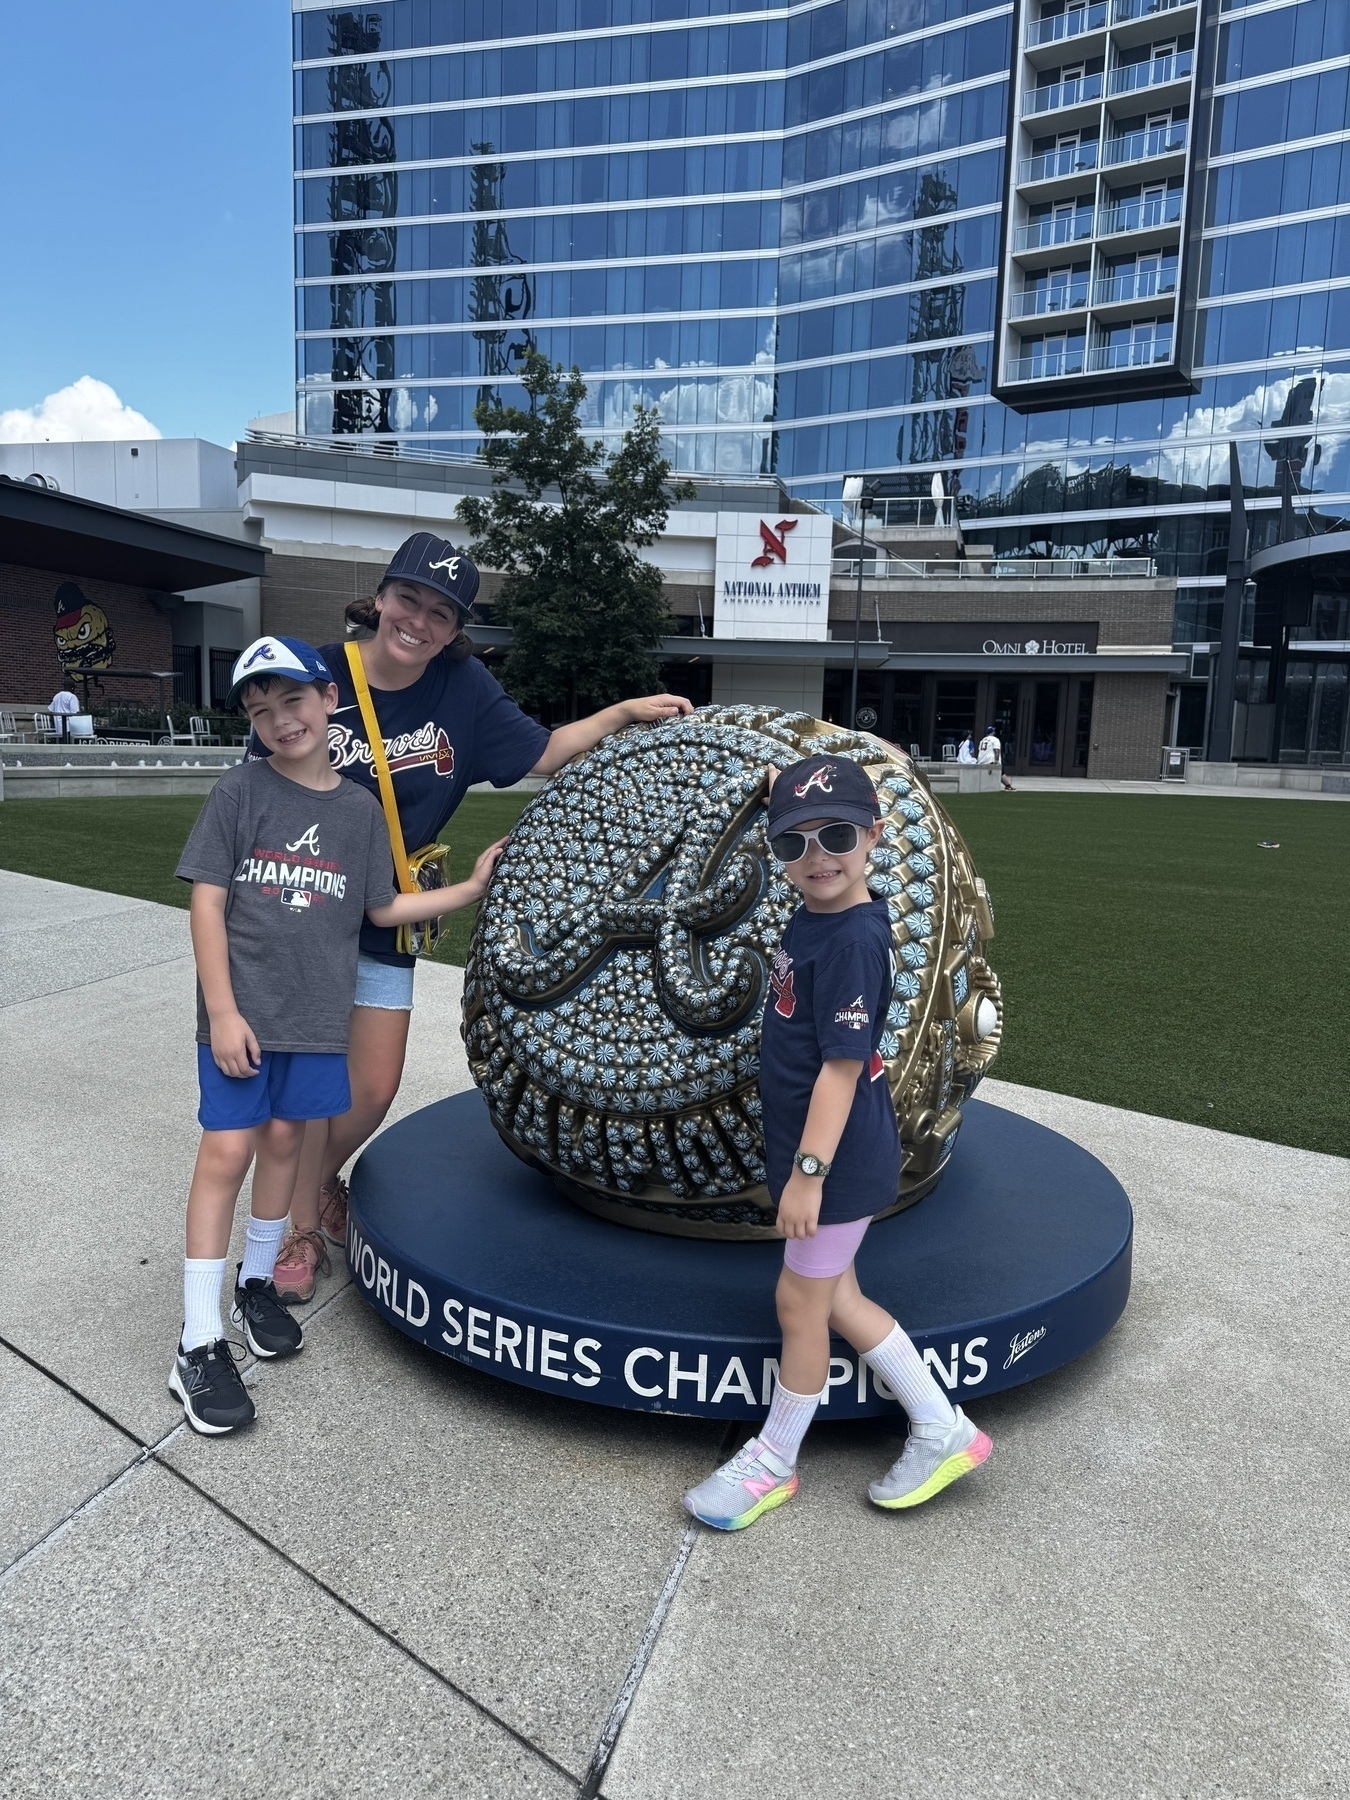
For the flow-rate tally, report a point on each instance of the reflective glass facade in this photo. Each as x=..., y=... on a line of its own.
x=782, y=224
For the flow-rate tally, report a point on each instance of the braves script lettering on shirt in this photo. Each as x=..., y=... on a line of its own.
x=780, y=980
x=413, y=750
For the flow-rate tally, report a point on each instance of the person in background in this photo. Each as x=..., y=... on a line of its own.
x=63, y=703
x=966, y=754
x=991, y=756
x=447, y=724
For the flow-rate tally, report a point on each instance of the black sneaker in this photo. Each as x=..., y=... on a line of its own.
x=268, y=1328
x=207, y=1382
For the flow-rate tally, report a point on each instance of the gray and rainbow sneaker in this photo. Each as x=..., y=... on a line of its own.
x=933, y=1458
x=753, y=1482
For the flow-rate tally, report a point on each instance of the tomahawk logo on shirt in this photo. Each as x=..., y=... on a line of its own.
x=780, y=980
x=854, y=1015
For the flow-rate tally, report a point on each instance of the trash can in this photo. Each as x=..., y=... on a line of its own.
x=1174, y=764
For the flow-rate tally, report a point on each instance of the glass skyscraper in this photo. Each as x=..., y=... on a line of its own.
x=1058, y=253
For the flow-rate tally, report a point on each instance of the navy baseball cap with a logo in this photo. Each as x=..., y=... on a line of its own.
x=287, y=656
x=822, y=787
x=436, y=564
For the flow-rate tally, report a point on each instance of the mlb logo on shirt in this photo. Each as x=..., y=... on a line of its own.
x=293, y=897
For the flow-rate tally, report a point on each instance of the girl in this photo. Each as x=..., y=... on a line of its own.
x=832, y=1154
x=446, y=724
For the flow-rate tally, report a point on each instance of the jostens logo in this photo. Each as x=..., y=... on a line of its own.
x=307, y=840
x=1019, y=1345
x=820, y=779
x=774, y=540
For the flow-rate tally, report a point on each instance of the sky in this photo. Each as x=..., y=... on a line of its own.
x=147, y=244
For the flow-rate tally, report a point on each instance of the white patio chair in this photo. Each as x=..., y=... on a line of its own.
x=9, y=731
x=172, y=736
x=46, y=727
x=201, y=731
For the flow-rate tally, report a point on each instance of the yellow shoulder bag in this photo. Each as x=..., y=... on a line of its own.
x=426, y=868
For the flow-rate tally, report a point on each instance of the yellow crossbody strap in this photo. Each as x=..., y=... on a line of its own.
x=386, y=781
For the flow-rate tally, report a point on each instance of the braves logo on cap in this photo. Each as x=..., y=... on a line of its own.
x=819, y=779
x=261, y=652
x=449, y=563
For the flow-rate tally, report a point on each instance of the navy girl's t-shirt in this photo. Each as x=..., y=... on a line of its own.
x=454, y=726
x=830, y=986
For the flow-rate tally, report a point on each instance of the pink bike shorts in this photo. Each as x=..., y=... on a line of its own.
x=828, y=1253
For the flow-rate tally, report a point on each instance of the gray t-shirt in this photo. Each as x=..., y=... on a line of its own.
x=300, y=868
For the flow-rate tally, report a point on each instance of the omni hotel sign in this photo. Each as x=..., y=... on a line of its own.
x=772, y=576
x=984, y=637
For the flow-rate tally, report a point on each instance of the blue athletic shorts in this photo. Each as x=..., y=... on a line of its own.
x=291, y=1084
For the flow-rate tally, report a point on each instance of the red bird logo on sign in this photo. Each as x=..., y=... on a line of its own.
x=774, y=539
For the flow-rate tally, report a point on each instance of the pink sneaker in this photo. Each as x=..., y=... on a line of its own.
x=333, y=1211
x=302, y=1258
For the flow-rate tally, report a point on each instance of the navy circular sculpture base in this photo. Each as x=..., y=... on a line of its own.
x=1017, y=1264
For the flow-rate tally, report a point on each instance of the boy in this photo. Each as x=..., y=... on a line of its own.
x=285, y=859
x=832, y=1153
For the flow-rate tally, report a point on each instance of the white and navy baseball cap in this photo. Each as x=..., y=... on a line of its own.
x=435, y=563
x=822, y=787
x=288, y=656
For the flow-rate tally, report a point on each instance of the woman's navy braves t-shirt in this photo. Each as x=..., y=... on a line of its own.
x=454, y=726
x=830, y=987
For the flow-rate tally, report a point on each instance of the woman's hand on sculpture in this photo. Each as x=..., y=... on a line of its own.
x=655, y=709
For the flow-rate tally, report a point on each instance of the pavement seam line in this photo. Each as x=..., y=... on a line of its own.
x=94, y=980
x=149, y=1454
x=598, y=1766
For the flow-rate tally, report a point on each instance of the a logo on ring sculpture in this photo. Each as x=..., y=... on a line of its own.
x=1023, y=1343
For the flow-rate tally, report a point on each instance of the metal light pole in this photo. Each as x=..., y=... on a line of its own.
x=864, y=505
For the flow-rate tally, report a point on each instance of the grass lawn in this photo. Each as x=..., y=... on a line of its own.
x=1151, y=955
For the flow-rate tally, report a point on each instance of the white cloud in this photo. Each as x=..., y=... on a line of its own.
x=85, y=410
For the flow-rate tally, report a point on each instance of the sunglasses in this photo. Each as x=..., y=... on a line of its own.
x=834, y=840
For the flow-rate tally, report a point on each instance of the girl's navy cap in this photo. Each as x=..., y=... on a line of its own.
x=436, y=563
x=822, y=787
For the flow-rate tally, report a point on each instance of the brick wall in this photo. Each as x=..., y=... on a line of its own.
x=1127, y=612
x=1127, y=727
x=30, y=670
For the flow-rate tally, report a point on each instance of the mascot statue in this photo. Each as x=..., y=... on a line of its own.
x=623, y=958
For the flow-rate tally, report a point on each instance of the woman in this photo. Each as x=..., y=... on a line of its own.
x=446, y=724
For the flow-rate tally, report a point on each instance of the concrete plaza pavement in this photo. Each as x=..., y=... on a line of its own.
x=410, y=1579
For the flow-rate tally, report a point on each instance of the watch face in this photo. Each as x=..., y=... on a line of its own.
x=810, y=1165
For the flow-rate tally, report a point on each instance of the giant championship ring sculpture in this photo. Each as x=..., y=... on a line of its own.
x=620, y=966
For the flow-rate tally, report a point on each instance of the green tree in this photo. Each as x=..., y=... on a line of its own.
x=563, y=524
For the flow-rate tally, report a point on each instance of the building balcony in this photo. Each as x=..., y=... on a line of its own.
x=1060, y=94
x=1139, y=355
x=1124, y=11
x=1044, y=234
x=1042, y=302
x=1048, y=365
x=1066, y=26
x=1139, y=215
x=1140, y=284
x=1146, y=146
x=1133, y=78
x=1056, y=164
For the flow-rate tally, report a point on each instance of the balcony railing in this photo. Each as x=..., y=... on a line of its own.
x=1069, y=161
x=1139, y=146
x=1144, y=9
x=1000, y=568
x=1139, y=215
x=1069, y=228
x=1038, y=301
x=1047, y=365
x=1062, y=93
x=1155, y=73
x=1138, y=284
x=1139, y=354
x=1067, y=25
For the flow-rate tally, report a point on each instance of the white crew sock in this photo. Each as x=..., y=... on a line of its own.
x=906, y=1374
x=202, y=1278
x=261, y=1244
x=785, y=1427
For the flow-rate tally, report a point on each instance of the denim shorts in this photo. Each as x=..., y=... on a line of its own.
x=289, y=1084
x=383, y=985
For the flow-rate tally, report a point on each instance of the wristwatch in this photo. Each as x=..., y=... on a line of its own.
x=811, y=1165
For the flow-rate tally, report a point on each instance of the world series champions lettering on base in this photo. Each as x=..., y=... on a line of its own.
x=613, y=994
